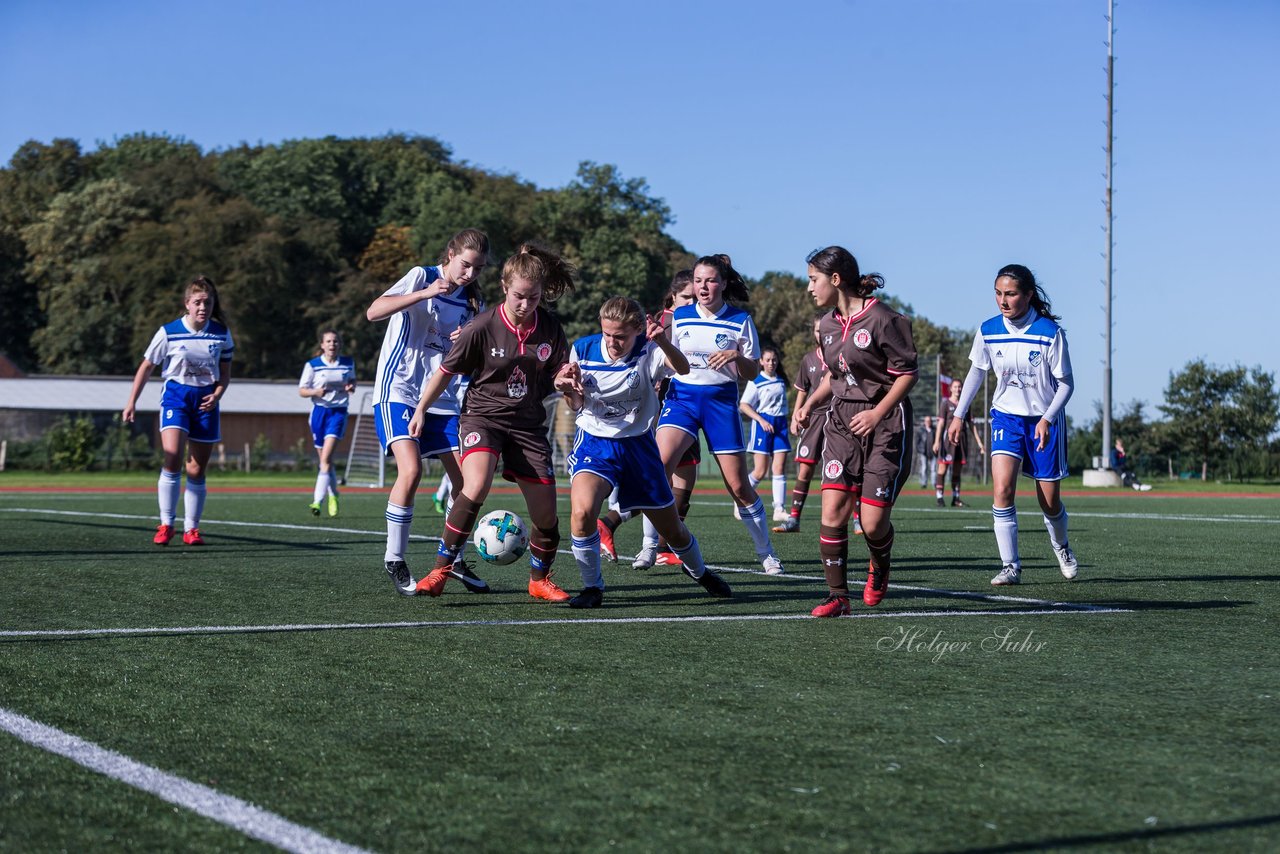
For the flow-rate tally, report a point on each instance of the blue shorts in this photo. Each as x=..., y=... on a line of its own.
x=770, y=443
x=1015, y=436
x=326, y=422
x=180, y=410
x=633, y=465
x=713, y=408
x=439, y=432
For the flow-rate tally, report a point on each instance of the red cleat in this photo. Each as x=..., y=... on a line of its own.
x=669, y=559
x=606, y=542
x=877, y=586
x=192, y=537
x=433, y=584
x=546, y=589
x=833, y=606
x=164, y=533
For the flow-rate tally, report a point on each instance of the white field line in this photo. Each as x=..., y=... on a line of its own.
x=232, y=812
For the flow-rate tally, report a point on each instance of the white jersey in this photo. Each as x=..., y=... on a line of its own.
x=330, y=376
x=416, y=342
x=699, y=333
x=766, y=395
x=1028, y=361
x=188, y=357
x=619, y=395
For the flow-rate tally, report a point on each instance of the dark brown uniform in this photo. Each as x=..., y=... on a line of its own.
x=947, y=452
x=511, y=372
x=812, y=370
x=865, y=354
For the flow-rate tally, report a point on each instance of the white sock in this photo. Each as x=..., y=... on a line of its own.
x=445, y=489
x=1006, y=525
x=753, y=480
x=322, y=487
x=753, y=518
x=613, y=499
x=691, y=557
x=167, y=492
x=779, y=492
x=586, y=551
x=399, y=521
x=650, y=534
x=193, y=504
x=1057, y=528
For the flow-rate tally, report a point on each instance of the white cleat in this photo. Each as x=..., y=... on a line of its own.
x=646, y=557
x=771, y=564
x=781, y=514
x=1011, y=574
x=1067, y=562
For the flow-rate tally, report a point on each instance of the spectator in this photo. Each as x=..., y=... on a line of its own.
x=1120, y=464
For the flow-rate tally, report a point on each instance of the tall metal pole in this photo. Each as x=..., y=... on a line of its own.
x=1106, y=379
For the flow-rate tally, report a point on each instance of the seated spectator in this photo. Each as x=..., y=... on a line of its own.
x=1120, y=464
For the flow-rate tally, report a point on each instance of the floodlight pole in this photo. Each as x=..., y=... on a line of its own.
x=1106, y=378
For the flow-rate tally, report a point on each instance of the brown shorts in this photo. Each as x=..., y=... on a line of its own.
x=953, y=454
x=876, y=466
x=809, y=449
x=525, y=451
x=692, y=456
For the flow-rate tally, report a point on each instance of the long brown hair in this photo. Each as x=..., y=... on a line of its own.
x=837, y=259
x=541, y=265
x=477, y=241
x=1029, y=287
x=735, y=287
x=204, y=285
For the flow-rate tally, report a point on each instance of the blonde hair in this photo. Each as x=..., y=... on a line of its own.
x=623, y=310
x=539, y=265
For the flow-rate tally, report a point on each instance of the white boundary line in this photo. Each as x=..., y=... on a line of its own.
x=243, y=816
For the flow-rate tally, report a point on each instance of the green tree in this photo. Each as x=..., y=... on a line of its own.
x=1223, y=417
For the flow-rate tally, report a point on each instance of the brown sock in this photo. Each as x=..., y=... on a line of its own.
x=833, y=546
x=457, y=529
x=542, y=549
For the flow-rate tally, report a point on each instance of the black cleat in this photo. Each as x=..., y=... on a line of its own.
x=715, y=585
x=941, y=503
x=400, y=577
x=956, y=502
x=471, y=581
x=590, y=597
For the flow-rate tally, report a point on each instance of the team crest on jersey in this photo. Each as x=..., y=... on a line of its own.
x=833, y=470
x=517, y=385
x=633, y=379
x=544, y=351
x=1034, y=358
x=472, y=439
x=862, y=339
x=723, y=341
x=804, y=450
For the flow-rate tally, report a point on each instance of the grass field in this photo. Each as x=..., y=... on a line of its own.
x=1136, y=708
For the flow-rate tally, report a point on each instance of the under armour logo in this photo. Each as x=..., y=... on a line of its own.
x=498, y=352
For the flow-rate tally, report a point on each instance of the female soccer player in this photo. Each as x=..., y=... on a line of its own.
x=721, y=344
x=194, y=354
x=328, y=380
x=950, y=455
x=764, y=401
x=867, y=435
x=512, y=353
x=427, y=308
x=611, y=384
x=1027, y=349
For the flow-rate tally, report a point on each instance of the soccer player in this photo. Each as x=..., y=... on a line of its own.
x=721, y=344
x=1027, y=349
x=328, y=379
x=764, y=401
x=867, y=435
x=952, y=455
x=427, y=309
x=611, y=384
x=194, y=354
x=512, y=353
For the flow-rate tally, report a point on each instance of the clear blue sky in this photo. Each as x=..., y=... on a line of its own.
x=936, y=140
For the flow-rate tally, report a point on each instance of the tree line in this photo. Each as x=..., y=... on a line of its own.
x=302, y=235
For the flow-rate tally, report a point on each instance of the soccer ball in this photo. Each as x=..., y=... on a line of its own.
x=501, y=537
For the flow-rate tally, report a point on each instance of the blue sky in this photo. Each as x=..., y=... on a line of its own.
x=936, y=140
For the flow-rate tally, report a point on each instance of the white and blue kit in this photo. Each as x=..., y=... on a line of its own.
x=707, y=398
x=768, y=397
x=1029, y=361
x=613, y=439
x=329, y=410
x=415, y=343
x=191, y=364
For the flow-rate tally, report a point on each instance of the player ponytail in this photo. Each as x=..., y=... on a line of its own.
x=623, y=310
x=835, y=260
x=540, y=265
x=204, y=285
x=1029, y=287
x=477, y=241
x=735, y=287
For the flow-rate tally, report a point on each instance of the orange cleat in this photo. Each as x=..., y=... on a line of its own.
x=545, y=588
x=833, y=606
x=669, y=559
x=433, y=584
x=877, y=586
x=606, y=542
x=192, y=537
x=164, y=533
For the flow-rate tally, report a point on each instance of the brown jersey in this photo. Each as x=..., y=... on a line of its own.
x=511, y=370
x=809, y=377
x=867, y=351
x=947, y=411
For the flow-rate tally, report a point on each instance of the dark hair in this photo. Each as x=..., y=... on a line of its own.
x=329, y=331
x=835, y=260
x=679, y=282
x=777, y=351
x=735, y=287
x=540, y=265
x=204, y=285
x=1028, y=286
x=477, y=241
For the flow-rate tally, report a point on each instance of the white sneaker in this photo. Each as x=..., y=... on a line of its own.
x=1142, y=487
x=737, y=511
x=771, y=564
x=1067, y=562
x=1011, y=574
x=646, y=557
x=781, y=514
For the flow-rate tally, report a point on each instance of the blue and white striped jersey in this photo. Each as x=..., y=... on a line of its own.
x=332, y=377
x=766, y=395
x=188, y=357
x=1028, y=361
x=699, y=333
x=416, y=342
x=619, y=395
